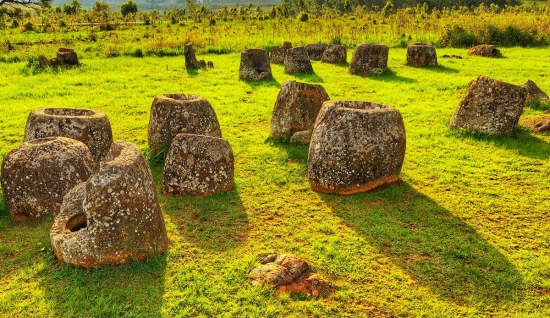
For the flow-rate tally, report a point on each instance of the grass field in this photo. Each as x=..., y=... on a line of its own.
x=466, y=233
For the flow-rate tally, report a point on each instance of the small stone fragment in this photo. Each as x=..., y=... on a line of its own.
x=202, y=64
x=297, y=61
x=210, y=64
x=334, y=54
x=172, y=114
x=534, y=93
x=421, y=54
x=91, y=127
x=286, y=273
x=537, y=125
x=355, y=147
x=301, y=137
x=37, y=174
x=255, y=65
x=112, y=218
x=490, y=107
x=43, y=61
x=369, y=59
x=296, y=108
x=198, y=165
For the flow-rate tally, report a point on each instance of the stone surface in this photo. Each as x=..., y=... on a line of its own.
x=255, y=65
x=301, y=137
x=277, y=55
x=37, y=174
x=356, y=147
x=490, y=107
x=172, y=114
x=315, y=51
x=485, y=50
x=190, y=58
x=334, y=54
x=369, y=59
x=296, y=108
x=202, y=63
x=114, y=217
x=297, y=61
x=421, y=54
x=43, y=61
x=538, y=125
x=210, y=64
x=286, y=273
x=67, y=57
x=91, y=127
x=198, y=165
x=534, y=93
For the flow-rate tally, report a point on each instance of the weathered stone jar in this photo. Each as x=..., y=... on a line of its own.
x=315, y=51
x=485, y=50
x=421, y=54
x=112, y=218
x=356, y=147
x=198, y=165
x=172, y=114
x=67, y=57
x=369, y=59
x=296, y=109
x=297, y=61
x=490, y=107
x=91, y=127
x=334, y=54
x=37, y=174
x=255, y=65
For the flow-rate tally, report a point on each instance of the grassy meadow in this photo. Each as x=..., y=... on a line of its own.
x=466, y=232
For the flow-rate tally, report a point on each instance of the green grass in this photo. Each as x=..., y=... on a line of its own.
x=466, y=233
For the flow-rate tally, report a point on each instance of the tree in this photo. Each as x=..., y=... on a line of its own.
x=129, y=7
x=26, y=3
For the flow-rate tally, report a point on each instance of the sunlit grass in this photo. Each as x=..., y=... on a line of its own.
x=466, y=232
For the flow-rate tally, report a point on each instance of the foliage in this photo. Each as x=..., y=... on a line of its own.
x=128, y=7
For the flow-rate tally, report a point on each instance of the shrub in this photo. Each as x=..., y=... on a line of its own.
x=29, y=26
x=458, y=37
x=62, y=24
x=303, y=17
x=138, y=52
x=14, y=24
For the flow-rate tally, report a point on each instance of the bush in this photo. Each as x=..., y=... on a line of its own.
x=458, y=37
x=138, y=52
x=14, y=24
x=129, y=7
x=302, y=17
x=29, y=26
x=62, y=24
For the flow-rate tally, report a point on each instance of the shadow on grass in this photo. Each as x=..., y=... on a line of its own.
x=192, y=71
x=217, y=222
x=269, y=83
x=430, y=244
x=441, y=69
x=309, y=77
x=296, y=154
x=134, y=289
x=391, y=76
x=522, y=142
